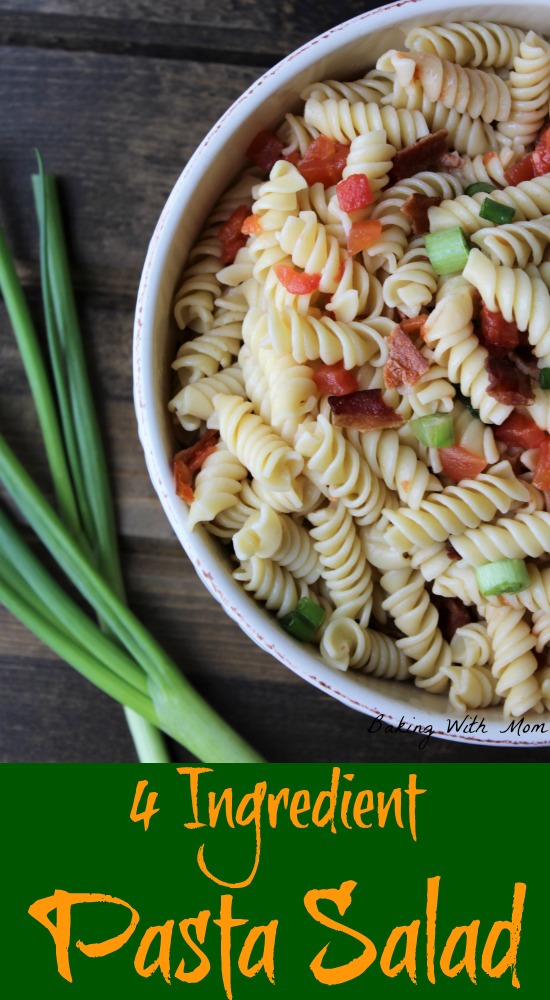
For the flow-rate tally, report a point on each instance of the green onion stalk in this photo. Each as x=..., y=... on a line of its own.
x=126, y=661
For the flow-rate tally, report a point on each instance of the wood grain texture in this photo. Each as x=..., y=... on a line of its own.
x=240, y=33
x=117, y=95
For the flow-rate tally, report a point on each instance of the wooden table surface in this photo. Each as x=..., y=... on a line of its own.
x=117, y=95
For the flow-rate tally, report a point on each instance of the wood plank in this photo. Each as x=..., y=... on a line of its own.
x=117, y=156
x=232, y=33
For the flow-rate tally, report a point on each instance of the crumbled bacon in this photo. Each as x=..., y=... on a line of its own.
x=525, y=360
x=425, y=154
x=416, y=209
x=451, y=551
x=453, y=614
x=496, y=334
x=507, y=384
x=189, y=460
x=364, y=410
x=405, y=364
x=450, y=160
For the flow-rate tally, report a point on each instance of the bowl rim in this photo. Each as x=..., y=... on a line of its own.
x=379, y=697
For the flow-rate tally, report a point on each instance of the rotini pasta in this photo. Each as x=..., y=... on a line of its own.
x=332, y=341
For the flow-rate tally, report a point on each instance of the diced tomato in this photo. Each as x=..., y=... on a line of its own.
x=354, y=193
x=293, y=157
x=541, y=158
x=265, y=149
x=519, y=430
x=518, y=172
x=497, y=332
x=335, y=379
x=231, y=236
x=541, y=476
x=324, y=161
x=413, y=324
x=296, y=282
x=458, y=463
x=189, y=460
x=363, y=234
x=252, y=226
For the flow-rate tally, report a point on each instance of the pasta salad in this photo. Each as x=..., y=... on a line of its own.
x=363, y=380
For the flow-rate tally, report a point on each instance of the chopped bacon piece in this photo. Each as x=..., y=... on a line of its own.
x=363, y=234
x=453, y=614
x=450, y=160
x=335, y=379
x=458, y=463
x=189, y=460
x=451, y=551
x=424, y=154
x=265, y=149
x=541, y=475
x=364, y=410
x=507, y=384
x=416, y=209
x=324, y=161
x=496, y=333
x=354, y=193
x=296, y=282
x=518, y=172
x=231, y=236
x=405, y=364
x=252, y=225
x=519, y=430
x=525, y=360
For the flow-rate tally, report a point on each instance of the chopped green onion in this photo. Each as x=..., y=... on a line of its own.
x=493, y=211
x=505, y=576
x=478, y=187
x=448, y=250
x=435, y=430
x=304, y=620
x=544, y=378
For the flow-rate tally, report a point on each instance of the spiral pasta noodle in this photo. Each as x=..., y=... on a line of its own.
x=473, y=43
x=479, y=94
x=344, y=566
x=345, y=644
x=514, y=664
x=345, y=121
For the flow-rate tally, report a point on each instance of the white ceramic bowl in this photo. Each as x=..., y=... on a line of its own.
x=344, y=52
